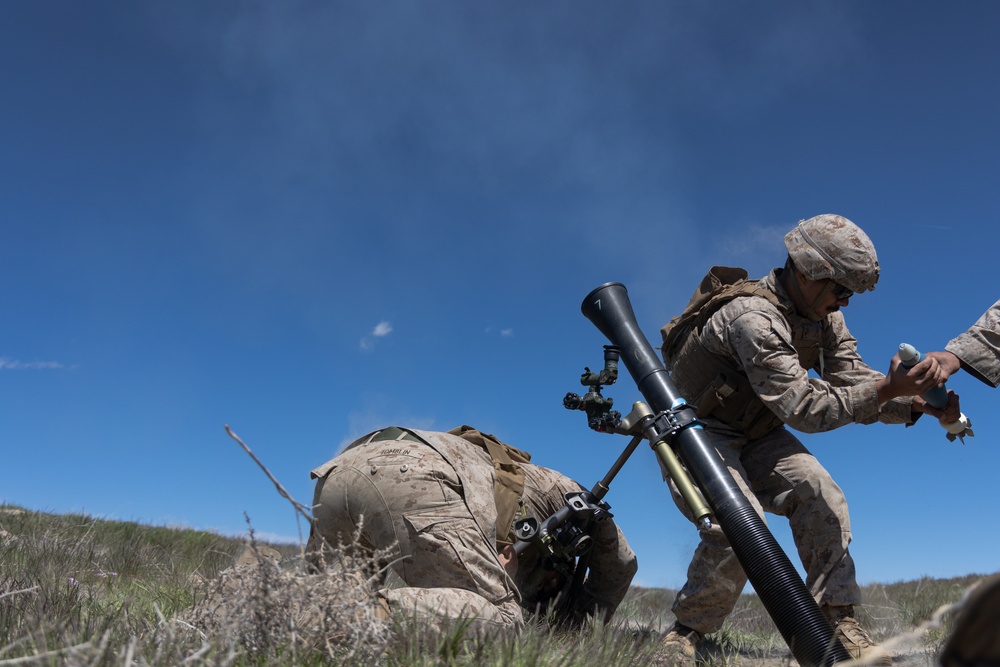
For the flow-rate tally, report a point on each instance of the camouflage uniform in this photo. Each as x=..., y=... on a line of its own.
x=979, y=348
x=975, y=639
x=433, y=504
x=771, y=349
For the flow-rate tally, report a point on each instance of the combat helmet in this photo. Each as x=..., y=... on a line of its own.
x=832, y=247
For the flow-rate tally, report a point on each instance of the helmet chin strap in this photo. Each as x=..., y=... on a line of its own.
x=795, y=291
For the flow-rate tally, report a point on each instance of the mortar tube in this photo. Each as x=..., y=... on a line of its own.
x=798, y=618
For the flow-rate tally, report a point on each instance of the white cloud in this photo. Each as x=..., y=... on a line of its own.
x=506, y=332
x=381, y=330
x=14, y=364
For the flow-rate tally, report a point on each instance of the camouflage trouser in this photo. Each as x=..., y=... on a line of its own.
x=406, y=497
x=778, y=475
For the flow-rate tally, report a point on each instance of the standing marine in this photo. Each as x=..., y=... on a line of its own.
x=761, y=356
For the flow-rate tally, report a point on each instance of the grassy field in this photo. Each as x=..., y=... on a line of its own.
x=75, y=590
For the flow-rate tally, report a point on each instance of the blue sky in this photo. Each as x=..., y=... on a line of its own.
x=309, y=220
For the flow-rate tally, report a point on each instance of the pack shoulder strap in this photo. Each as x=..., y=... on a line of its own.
x=509, y=487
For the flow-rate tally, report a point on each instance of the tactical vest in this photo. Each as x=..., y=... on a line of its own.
x=714, y=384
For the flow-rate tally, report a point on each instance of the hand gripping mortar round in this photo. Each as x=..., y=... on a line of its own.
x=910, y=356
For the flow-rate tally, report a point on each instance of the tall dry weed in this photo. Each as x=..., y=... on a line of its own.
x=274, y=610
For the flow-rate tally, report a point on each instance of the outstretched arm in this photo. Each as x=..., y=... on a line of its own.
x=977, y=350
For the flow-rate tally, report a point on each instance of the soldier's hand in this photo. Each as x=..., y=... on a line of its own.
x=952, y=411
x=949, y=414
x=508, y=558
x=949, y=362
x=903, y=381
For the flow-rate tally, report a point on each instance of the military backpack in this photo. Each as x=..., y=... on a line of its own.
x=720, y=285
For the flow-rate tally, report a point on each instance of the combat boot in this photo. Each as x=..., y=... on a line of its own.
x=677, y=647
x=853, y=637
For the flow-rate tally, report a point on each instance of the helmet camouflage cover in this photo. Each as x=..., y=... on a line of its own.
x=832, y=247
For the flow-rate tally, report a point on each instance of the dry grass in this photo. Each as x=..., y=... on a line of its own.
x=75, y=590
x=911, y=619
x=271, y=610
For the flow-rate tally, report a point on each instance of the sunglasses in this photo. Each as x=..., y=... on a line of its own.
x=841, y=292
